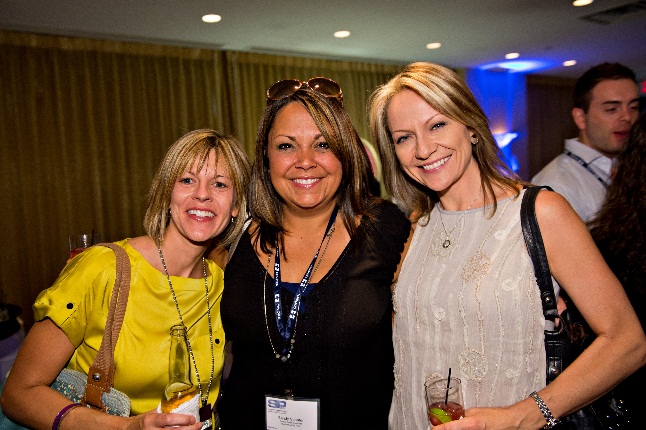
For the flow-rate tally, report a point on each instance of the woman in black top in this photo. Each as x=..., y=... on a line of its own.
x=307, y=301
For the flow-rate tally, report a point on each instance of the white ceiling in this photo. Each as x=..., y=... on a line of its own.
x=472, y=32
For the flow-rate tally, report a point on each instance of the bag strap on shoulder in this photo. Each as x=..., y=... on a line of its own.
x=101, y=374
x=536, y=249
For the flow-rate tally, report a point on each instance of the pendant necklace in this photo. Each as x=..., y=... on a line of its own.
x=448, y=235
x=204, y=397
x=287, y=329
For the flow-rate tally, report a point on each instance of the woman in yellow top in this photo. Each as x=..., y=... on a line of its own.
x=194, y=202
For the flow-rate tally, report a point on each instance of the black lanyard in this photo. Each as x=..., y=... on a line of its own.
x=586, y=166
x=287, y=329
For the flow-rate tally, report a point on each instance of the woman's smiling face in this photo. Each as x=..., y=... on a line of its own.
x=432, y=148
x=202, y=202
x=303, y=169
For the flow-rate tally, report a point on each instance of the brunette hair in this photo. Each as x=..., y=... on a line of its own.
x=196, y=145
x=353, y=196
x=447, y=93
x=620, y=221
x=601, y=72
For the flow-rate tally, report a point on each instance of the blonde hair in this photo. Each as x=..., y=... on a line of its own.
x=196, y=145
x=447, y=93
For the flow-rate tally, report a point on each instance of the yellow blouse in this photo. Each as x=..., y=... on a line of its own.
x=78, y=303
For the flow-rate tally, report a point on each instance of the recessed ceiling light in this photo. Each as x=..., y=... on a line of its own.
x=433, y=45
x=341, y=34
x=512, y=55
x=582, y=2
x=569, y=63
x=211, y=18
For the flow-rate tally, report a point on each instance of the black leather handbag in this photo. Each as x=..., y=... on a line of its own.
x=571, y=337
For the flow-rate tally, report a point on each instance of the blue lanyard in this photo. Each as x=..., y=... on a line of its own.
x=586, y=166
x=287, y=329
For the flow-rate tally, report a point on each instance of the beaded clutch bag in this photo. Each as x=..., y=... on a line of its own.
x=71, y=383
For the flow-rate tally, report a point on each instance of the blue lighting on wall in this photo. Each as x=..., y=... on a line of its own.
x=502, y=96
x=503, y=140
x=518, y=65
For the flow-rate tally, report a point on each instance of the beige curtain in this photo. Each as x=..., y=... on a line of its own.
x=84, y=123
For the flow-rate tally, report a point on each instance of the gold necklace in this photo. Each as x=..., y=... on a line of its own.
x=448, y=234
x=204, y=398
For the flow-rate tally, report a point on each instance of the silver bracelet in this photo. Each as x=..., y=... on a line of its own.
x=547, y=414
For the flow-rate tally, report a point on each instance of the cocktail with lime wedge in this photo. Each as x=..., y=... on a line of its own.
x=444, y=400
x=440, y=412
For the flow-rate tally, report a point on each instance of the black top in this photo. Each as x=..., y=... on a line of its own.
x=634, y=283
x=343, y=353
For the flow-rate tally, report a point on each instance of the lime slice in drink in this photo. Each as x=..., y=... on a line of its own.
x=441, y=415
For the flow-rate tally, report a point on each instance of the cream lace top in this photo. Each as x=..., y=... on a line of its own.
x=473, y=307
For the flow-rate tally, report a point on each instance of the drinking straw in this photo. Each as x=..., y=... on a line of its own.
x=92, y=237
x=448, y=384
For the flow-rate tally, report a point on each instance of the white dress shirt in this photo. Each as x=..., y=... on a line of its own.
x=584, y=189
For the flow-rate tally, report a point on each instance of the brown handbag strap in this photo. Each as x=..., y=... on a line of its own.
x=101, y=374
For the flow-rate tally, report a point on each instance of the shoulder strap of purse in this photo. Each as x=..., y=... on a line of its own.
x=536, y=249
x=101, y=374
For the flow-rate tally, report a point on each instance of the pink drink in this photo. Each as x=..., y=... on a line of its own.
x=440, y=412
x=75, y=252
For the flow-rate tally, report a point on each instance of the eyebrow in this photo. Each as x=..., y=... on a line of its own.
x=293, y=138
x=425, y=122
x=618, y=102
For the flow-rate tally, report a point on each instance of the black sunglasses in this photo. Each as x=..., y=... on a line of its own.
x=287, y=87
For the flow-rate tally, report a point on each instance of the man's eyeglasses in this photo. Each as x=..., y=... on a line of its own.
x=287, y=87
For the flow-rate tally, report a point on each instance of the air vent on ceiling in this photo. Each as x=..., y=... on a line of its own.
x=609, y=16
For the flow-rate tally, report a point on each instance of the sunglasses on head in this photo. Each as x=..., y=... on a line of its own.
x=324, y=86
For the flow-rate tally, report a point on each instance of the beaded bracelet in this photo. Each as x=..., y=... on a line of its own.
x=61, y=415
x=547, y=414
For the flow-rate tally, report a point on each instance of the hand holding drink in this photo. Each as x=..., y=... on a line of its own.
x=444, y=399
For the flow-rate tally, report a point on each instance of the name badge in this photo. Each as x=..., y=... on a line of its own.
x=292, y=413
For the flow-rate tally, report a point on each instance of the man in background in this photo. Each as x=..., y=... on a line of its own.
x=606, y=105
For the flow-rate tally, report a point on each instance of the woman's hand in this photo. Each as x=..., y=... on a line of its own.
x=498, y=418
x=82, y=418
x=153, y=420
